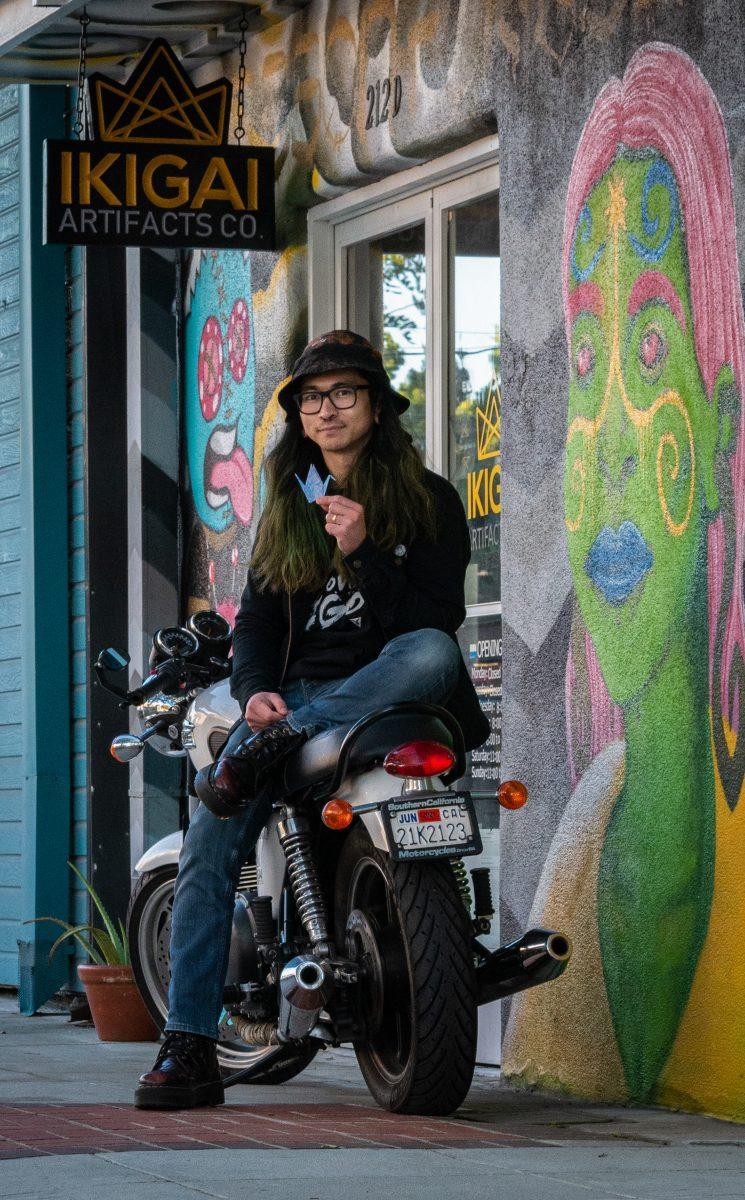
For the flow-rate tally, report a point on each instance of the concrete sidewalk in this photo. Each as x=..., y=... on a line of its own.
x=66, y=1110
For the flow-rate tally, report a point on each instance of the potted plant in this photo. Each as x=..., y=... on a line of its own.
x=118, y=1011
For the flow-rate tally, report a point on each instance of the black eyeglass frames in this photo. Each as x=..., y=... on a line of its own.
x=344, y=395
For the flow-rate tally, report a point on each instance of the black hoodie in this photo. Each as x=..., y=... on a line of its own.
x=421, y=589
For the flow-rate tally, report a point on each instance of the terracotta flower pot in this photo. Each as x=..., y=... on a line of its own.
x=118, y=1010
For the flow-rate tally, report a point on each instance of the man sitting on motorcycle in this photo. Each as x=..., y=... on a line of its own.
x=354, y=594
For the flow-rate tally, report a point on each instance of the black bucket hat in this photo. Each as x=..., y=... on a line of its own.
x=341, y=350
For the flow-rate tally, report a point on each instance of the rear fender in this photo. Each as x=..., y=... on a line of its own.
x=373, y=823
x=373, y=787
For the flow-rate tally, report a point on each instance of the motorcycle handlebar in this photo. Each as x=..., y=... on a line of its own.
x=167, y=673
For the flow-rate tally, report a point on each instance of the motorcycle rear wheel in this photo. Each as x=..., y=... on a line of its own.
x=406, y=923
x=148, y=936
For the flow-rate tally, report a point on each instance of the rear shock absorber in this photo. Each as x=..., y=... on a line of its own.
x=296, y=841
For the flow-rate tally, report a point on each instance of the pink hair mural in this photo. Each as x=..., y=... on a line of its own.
x=644, y=871
x=663, y=103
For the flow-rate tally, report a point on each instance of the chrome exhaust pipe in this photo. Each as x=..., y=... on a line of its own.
x=304, y=988
x=536, y=957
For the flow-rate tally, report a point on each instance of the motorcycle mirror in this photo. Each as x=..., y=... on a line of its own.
x=112, y=660
x=125, y=747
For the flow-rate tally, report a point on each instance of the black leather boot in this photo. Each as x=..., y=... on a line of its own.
x=185, y=1075
x=234, y=780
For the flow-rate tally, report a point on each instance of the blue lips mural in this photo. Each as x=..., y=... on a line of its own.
x=617, y=561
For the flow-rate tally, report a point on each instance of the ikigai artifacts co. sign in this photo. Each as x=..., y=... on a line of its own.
x=158, y=170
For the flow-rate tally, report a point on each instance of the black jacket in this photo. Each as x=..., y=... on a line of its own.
x=423, y=589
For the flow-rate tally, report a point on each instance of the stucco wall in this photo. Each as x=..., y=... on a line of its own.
x=632, y=841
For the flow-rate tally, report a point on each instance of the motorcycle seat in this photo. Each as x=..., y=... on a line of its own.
x=316, y=760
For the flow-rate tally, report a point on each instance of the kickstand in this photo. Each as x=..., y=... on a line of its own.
x=247, y=1072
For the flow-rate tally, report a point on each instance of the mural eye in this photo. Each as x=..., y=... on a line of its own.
x=239, y=337
x=210, y=368
x=585, y=361
x=652, y=349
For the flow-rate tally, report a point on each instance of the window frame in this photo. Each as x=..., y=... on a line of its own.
x=420, y=194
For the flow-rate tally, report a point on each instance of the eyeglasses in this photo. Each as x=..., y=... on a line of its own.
x=343, y=396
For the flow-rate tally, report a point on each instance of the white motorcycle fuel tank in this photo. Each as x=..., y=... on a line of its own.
x=206, y=725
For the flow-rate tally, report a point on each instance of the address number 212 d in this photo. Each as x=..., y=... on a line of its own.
x=383, y=101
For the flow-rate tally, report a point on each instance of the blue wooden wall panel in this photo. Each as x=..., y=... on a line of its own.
x=10, y=544
x=80, y=652
x=45, y=695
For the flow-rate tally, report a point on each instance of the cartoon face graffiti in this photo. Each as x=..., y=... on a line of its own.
x=219, y=408
x=642, y=435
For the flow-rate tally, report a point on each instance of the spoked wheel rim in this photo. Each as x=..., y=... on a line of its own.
x=154, y=930
x=376, y=940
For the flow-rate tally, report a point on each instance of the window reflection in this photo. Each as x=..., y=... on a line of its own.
x=396, y=271
x=474, y=396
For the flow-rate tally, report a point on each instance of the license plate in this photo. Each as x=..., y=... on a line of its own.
x=443, y=827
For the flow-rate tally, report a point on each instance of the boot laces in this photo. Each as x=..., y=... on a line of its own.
x=187, y=1049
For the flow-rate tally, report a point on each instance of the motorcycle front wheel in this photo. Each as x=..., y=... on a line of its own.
x=149, y=936
x=405, y=923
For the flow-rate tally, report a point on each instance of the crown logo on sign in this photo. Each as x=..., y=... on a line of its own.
x=489, y=424
x=159, y=103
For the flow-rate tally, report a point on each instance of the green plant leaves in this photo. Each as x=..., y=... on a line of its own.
x=106, y=947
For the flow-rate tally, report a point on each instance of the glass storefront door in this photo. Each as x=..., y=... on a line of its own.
x=420, y=276
x=387, y=277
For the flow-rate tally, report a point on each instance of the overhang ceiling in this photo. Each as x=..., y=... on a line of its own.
x=39, y=40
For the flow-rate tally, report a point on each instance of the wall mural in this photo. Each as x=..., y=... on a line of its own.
x=225, y=445
x=645, y=870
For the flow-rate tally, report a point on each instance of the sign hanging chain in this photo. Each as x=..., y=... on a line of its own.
x=80, y=127
x=240, y=132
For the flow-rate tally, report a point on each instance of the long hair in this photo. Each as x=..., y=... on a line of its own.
x=292, y=550
x=664, y=104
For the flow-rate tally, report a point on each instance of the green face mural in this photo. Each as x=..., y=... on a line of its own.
x=639, y=477
x=645, y=867
x=639, y=492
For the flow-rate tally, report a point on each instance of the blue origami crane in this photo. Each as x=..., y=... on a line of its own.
x=314, y=486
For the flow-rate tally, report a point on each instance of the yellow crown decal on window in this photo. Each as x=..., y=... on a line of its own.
x=489, y=424
x=159, y=104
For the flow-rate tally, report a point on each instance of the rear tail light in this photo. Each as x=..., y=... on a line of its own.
x=415, y=759
x=512, y=794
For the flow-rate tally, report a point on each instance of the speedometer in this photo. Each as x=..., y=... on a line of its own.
x=210, y=627
x=175, y=642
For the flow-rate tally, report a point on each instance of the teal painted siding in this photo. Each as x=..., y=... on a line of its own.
x=79, y=653
x=10, y=544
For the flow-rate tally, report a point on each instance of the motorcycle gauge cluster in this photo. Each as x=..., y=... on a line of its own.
x=175, y=642
x=211, y=628
x=203, y=642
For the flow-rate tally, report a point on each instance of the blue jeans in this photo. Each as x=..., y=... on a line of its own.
x=423, y=665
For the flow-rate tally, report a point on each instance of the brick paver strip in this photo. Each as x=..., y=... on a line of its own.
x=48, y=1129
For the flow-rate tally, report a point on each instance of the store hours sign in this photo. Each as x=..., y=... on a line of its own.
x=158, y=170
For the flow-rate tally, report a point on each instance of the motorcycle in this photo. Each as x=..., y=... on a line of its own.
x=355, y=921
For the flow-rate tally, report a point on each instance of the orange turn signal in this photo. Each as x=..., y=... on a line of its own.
x=337, y=814
x=512, y=794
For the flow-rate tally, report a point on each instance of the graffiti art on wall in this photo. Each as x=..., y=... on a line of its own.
x=224, y=443
x=645, y=868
